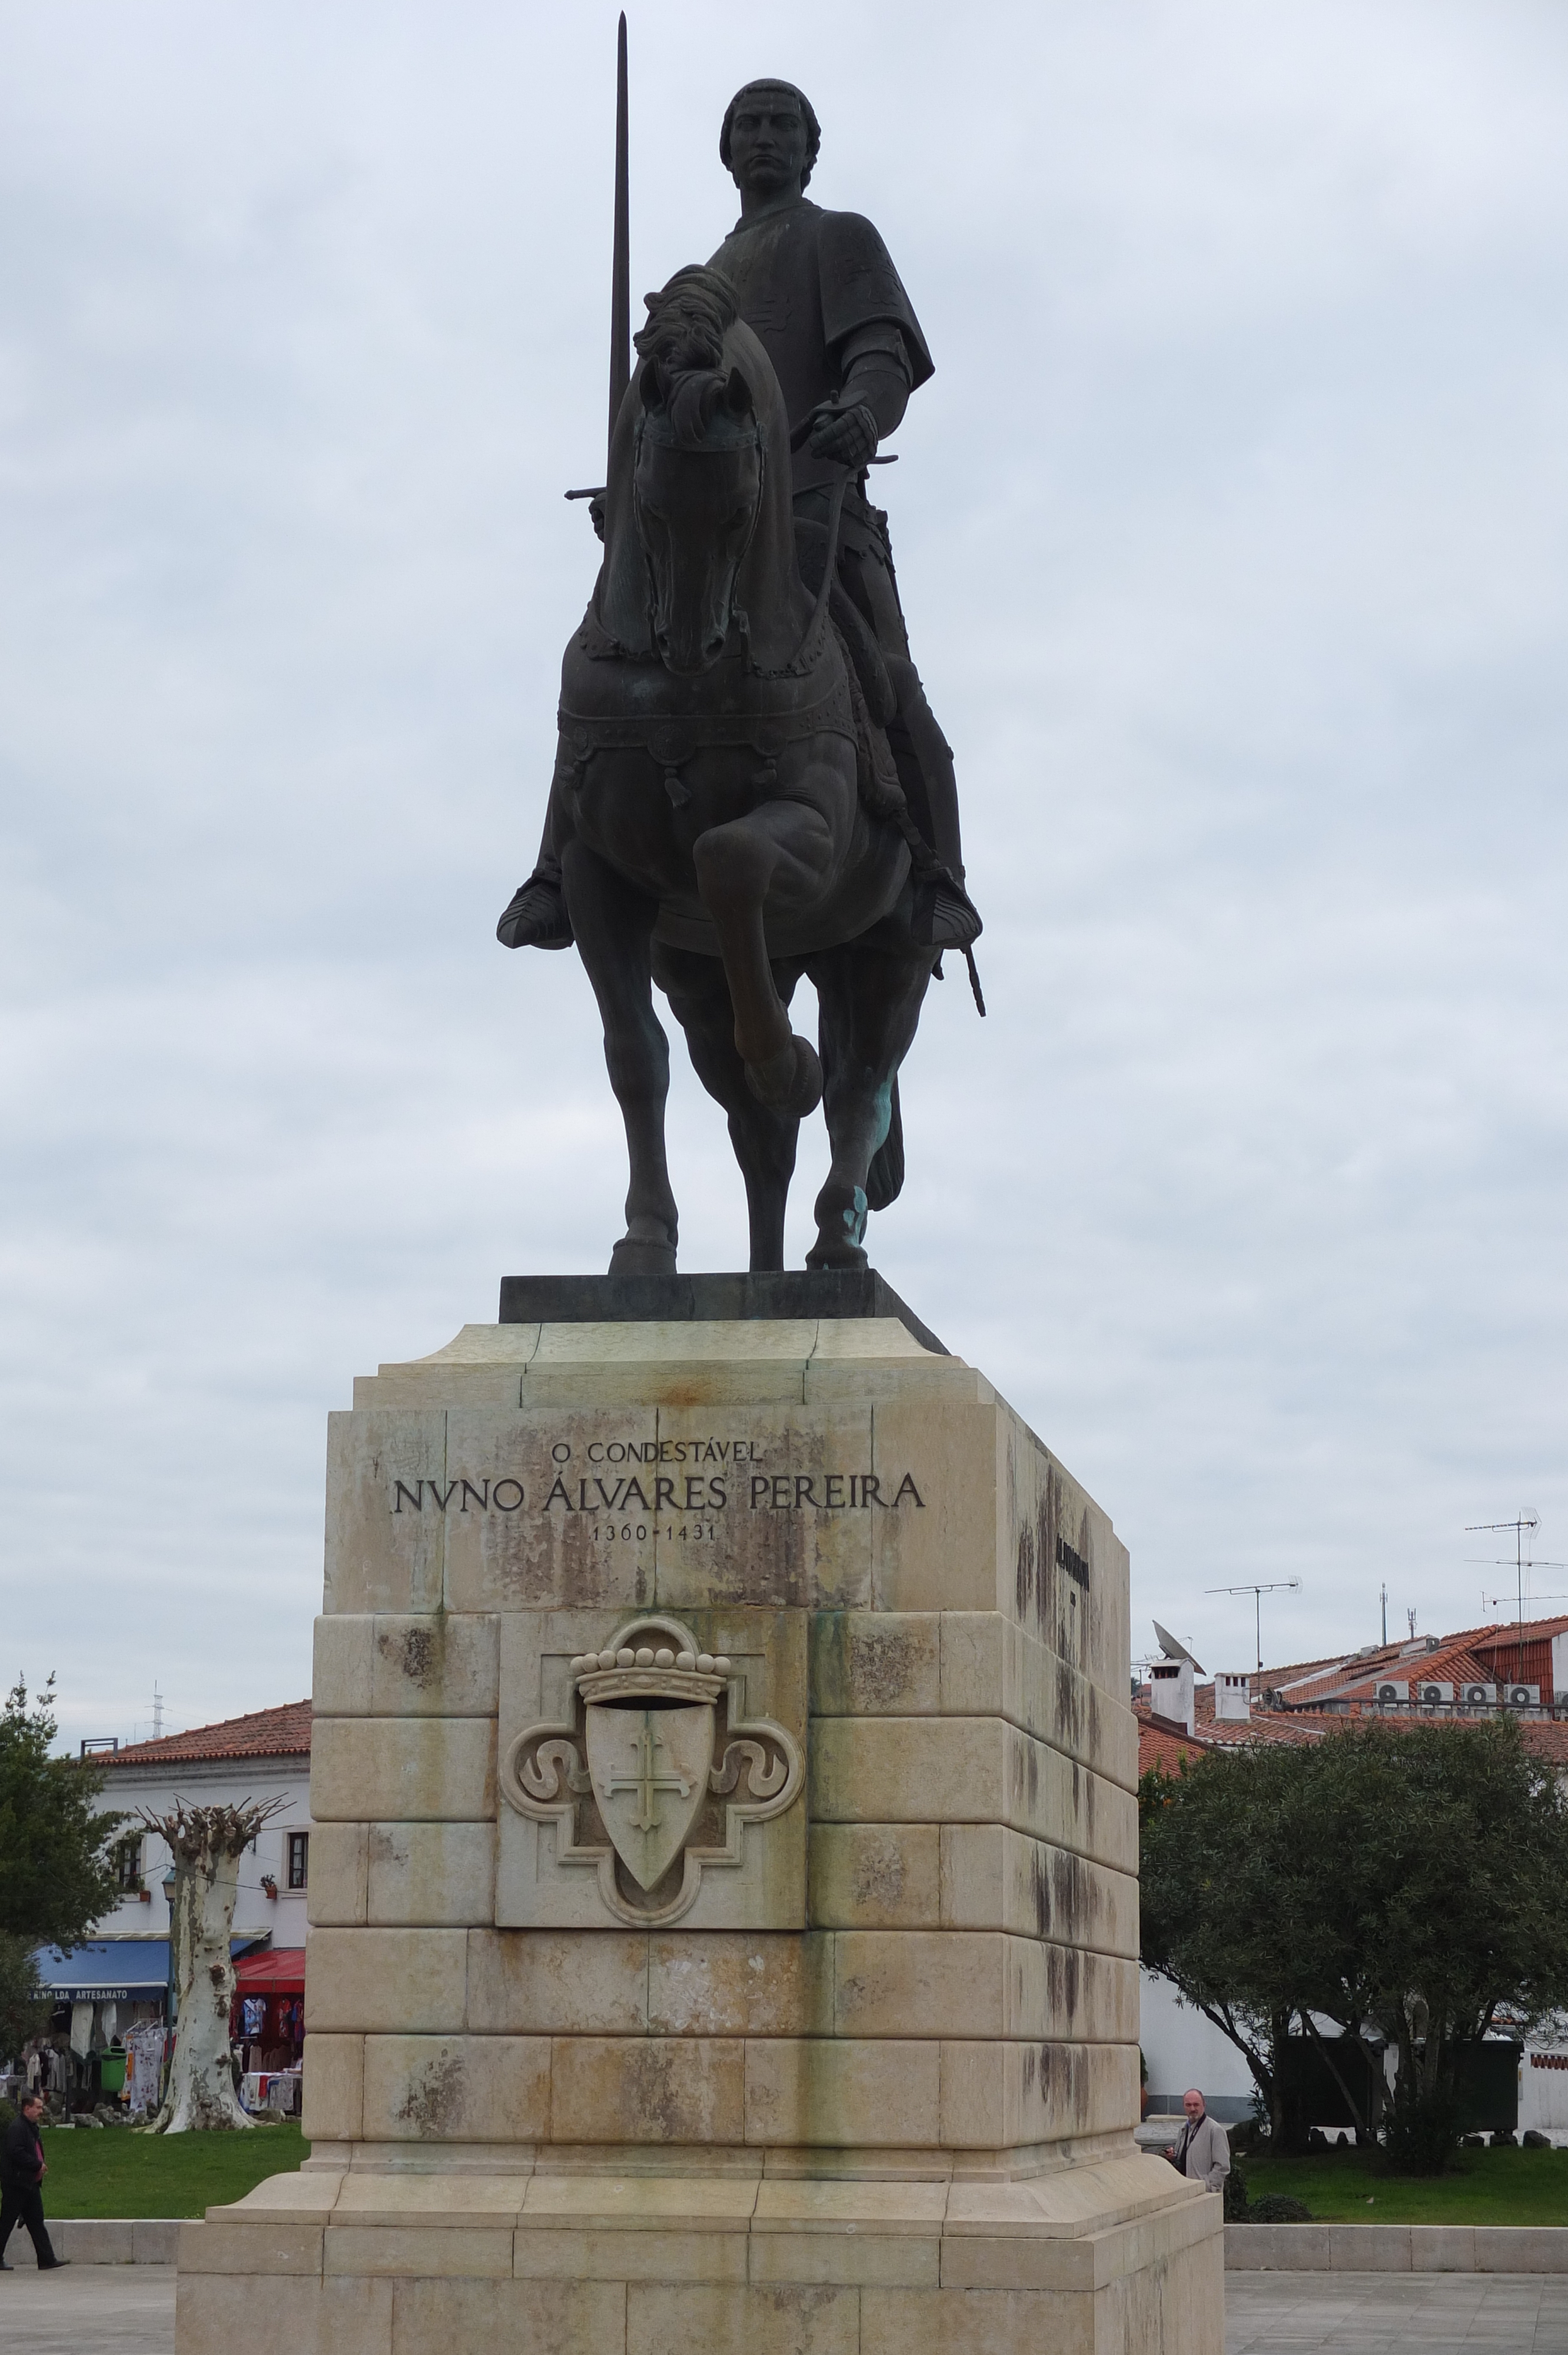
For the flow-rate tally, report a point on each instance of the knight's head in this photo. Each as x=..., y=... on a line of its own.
x=697, y=481
x=769, y=139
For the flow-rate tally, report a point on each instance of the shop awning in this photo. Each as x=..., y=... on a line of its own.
x=280, y=1971
x=111, y=1970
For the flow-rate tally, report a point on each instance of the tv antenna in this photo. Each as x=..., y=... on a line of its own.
x=1257, y=1591
x=1524, y=1522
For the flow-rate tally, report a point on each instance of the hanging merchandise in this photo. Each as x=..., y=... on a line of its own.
x=254, y=2014
x=81, y=2030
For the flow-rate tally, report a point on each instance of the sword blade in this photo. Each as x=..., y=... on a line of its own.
x=620, y=266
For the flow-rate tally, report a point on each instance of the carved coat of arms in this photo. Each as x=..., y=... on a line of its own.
x=657, y=1773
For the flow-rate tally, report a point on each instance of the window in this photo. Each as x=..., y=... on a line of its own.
x=128, y=1864
x=299, y=1859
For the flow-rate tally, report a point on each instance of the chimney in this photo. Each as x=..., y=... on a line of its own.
x=1171, y=1684
x=1233, y=1699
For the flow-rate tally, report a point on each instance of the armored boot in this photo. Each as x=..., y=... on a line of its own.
x=535, y=915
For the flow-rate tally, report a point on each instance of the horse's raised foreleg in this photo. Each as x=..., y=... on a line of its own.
x=764, y=1139
x=870, y=999
x=783, y=848
x=613, y=925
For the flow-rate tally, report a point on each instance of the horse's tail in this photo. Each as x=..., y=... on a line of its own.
x=884, y=1179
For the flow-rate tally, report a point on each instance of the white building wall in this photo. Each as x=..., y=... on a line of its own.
x=225, y=1782
x=1182, y=2048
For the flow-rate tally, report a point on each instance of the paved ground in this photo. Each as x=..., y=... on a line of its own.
x=130, y=2310
x=89, y=2310
x=1396, y=2314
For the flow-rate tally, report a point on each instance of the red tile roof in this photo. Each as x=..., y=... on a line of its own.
x=265, y=1733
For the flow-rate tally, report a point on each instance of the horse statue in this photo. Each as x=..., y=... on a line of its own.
x=725, y=807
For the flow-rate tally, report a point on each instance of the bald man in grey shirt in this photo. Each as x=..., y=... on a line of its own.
x=1201, y=2150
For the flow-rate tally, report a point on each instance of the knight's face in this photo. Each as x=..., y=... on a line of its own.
x=767, y=142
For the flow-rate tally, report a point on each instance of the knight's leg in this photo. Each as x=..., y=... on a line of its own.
x=764, y=1138
x=535, y=916
x=787, y=848
x=921, y=752
x=870, y=1000
x=614, y=926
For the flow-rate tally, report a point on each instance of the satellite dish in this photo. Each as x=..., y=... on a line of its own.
x=1174, y=1649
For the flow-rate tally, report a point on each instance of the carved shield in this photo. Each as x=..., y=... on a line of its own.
x=650, y=1771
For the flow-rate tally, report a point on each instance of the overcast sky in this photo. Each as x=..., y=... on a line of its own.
x=1233, y=533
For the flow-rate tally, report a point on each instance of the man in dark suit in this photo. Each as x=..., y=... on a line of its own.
x=22, y=2173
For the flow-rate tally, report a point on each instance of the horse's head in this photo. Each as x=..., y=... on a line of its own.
x=697, y=478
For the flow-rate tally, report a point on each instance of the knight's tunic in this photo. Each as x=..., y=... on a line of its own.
x=808, y=282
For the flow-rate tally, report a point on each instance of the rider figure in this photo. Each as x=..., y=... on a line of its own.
x=821, y=292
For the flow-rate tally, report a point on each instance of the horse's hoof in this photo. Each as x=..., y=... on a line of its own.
x=840, y=1228
x=790, y=1082
x=830, y=1250
x=640, y=1255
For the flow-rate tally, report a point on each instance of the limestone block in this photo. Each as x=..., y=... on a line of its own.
x=903, y=2259
x=457, y=2088
x=628, y=2089
x=219, y=2245
x=990, y=1666
x=849, y=2091
x=921, y=1983
x=441, y=1664
x=340, y=1675
x=913, y=2210
x=339, y=1867
x=378, y=2196
x=876, y=1875
x=430, y=1872
x=1434, y=2248
x=992, y=1878
x=333, y=2088
x=431, y=2250
x=976, y=2322
x=287, y=2198
x=520, y=2317
x=740, y=1984
x=412, y=1769
x=648, y=2203
x=385, y=1981
x=216, y=2313
x=876, y=1664
x=558, y=1982
x=377, y=1560
x=549, y=2255
x=967, y=1770
x=943, y=1555
x=1001, y=2095
x=539, y=1543
x=796, y=1531
x=763, y=2320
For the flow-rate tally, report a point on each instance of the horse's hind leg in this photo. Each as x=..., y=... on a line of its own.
x=870, y=1000
x=613, y=925
x=764, y=1138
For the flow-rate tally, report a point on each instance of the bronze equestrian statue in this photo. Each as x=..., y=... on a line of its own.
x=751, y=784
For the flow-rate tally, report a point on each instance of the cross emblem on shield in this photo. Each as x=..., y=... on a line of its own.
x=649, y=1767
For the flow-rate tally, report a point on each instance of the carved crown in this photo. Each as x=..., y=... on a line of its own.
x=641, y=1672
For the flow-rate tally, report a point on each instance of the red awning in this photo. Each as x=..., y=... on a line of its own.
x=277, y=1970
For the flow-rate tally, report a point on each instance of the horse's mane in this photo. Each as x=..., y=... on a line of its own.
x=690, y=342
x=684, y=339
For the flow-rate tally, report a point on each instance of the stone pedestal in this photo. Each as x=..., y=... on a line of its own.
x=723, y=1888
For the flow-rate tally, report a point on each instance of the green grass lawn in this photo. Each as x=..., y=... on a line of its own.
x=120, y=2173
x=1344, y=2186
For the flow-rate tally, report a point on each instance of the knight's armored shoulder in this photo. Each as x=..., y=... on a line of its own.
x=860, y=286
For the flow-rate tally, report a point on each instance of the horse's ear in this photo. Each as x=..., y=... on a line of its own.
x=737, y=395
x=648, y=385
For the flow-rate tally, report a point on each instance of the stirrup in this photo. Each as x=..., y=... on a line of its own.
x=535, y=916
x=945, y=917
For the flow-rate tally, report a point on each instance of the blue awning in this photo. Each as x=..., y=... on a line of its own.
x=112, y=1970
